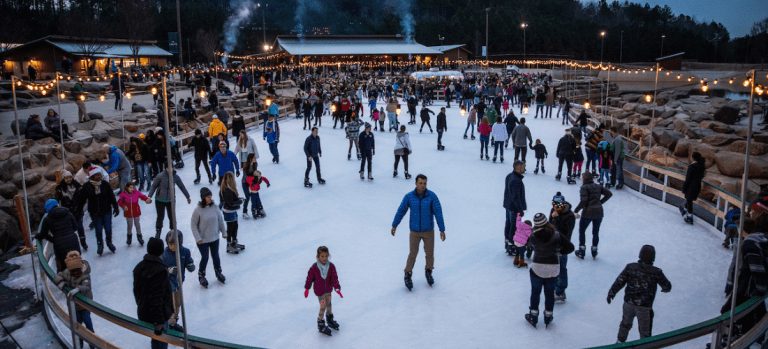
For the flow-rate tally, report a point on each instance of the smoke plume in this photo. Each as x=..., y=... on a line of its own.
x=243, y=10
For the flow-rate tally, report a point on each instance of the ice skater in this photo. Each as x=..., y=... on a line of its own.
x=323, y=278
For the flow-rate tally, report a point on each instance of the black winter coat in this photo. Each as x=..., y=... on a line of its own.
x=60, y=228
x=593, y=196
x=548, y=245
x=566, y=147
x=367, y=143
x=67, y=196
x=641, y=280
x=152, y=290
x=514, y=193
x=564, y=222
x=238, y=124
x=511, y=121
x=442, y=123
x=540, y=150
x=35, y=131
x=312, y=146
x=202, y=148
x=425, y=113
x=693, y=177
x=139, y=151
x=98, y=204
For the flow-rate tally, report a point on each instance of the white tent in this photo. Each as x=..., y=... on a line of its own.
x=443, y=74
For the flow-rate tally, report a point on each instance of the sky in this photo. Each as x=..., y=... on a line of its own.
x=736, y=15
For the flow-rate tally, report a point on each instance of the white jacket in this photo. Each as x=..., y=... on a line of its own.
x=499, y=132
x=250, y=148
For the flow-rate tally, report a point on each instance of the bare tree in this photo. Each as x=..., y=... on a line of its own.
x=138, y=22
x=760, y=27
x=207, y=42
x=89, y=38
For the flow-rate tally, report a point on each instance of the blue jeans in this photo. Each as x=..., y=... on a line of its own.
x=618, y=171
x=604, y=175
x=273, y=150
x=211, y=248
x=591, y=160
x=245, y=193
x=549, y=292
x=103, y=223
x=562, y=279
x=583, y=224
x=255, y=202
x=472, y=125
x=142, y=172
x=84, y=317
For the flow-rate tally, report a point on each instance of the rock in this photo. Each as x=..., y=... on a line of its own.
x=665, y=122
x=46, y=141
x=682, y=148
x=707, y=151
x=631, y=97
x=72, y=146
x=644, y=109
x=701, y=116
x=717, y=126
x=95, y=116
x=130, y=118
x=720, y=139
x=8, y=190
x=116, y=133
x=10, y=234
x=661, y=156
x=665, y=137
x=644, y=120
x=668, y=113
x=740, y=147
x=31, y=177
x=629, y=106
x=8, y=152
x=132, y=128
x=682, y=116
x=135, y=108
x=698, y=132
x=727, y=114
x=100, y=136
x=732, y=164
x=761, y=137
x=76, y=161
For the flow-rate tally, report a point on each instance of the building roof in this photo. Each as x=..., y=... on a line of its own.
x=352, y=45
x=113, y=48
x=443, y=48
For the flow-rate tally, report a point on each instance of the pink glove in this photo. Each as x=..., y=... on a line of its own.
x=339, y=292
x=306, y=293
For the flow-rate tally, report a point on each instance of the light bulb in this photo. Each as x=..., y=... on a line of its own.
x=128, y=95
x=82, y=97
x=746, y=83
x=648, y=98
x=154, y=90
x=43, y=92
x=102, y=98
x=759, y=90
x=587, y=105
x=525, y=110
x=62, y=96
x=704, y=87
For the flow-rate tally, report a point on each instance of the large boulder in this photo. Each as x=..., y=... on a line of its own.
x=73, y=146
x=8, y=190
x=629, y=106
x=667, y=113
x=631, y=97
x=682, y=148
x=717, y=126
x=707, y=151
x=30, y=177
x=661, y=156
x=701, y=116
x=698, y=132
x=740, y=146
x=76, y=161
x=720, y=139
x=100, y=136
x=95, y=116
x=10, y=234
x=732, y=164
x=644, y=109
x=135, y=108
x=727, y=114
x=665, y=137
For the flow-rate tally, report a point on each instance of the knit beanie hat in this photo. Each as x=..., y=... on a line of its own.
x=73, y=260
x=65, y=174
x=558, y=199
x=204, y=191
x=50, y=204
x=647, y=254
x=539, y=221
x=155, y=247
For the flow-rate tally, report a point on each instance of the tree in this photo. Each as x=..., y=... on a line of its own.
x=138, y=23
x=760, y=27
x=207, y=43
x=90, y=40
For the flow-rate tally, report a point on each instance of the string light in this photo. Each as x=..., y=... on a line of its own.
x=759, y=90
x=268, y=101
x=43, y=92
x=82, y=97
x=648, y=98
x=587, y=104
x=746, y=83
x=102, y=98
x=202, y=93
x=704, y=87
x=128, y=95
x=153, y=90
x=525, y=110
x=62, y=96
x=730, y=81
x=715, y=82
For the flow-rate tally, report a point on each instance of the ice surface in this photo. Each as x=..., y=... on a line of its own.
x=479, y=297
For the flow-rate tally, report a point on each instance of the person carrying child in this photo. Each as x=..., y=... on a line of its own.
x=254, y=180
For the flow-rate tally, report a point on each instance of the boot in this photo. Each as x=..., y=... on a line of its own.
x=331, y=322
x=361, y=175
x=394, y=174
x=232, y=249
x=536, y=171
x=486, y=156
x=349, y=156
x=111, y=247
x=430, y=279
x=502, y=159
x=516, y=261
x=157, y=232
x=689, y=218
x=83, y=244
x=522, y=263
x=202, y=279
x=220, y=276
x=580, y=252
x=547, y=318
x=140, y=239
x=128, y=240
x=682, y=210
x=494, y=159
x=465, y=136
x=560, y=297
x=408, y=280
x=594, y=252
x=558, y=176
x=323, y=328
x=407, y=175
x=472, y=137
x=99, y=248
x=543, y=170
x=197, y=180
x=532, y=317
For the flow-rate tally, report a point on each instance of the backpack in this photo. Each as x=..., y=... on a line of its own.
x=603, y=146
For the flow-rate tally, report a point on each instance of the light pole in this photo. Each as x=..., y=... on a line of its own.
x=602, y=45
x=178, y=29
x=621, y=46
x=263, y=25
x=661, y=51
x=487, y=11
x=524, y=26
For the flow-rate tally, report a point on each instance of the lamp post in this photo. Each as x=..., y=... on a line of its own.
x=487, y=11
x=524, y=26
x=661, y=50
x=178, y=29
x=621, y=46
x=61, y=128
x=602, y=45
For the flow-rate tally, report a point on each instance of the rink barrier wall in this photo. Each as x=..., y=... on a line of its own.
x=53, y=310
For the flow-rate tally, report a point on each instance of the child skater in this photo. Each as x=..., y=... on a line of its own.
x=77, y=276
x=524, y=230
x=541, y=153
x=254, y=180
x=323, y=275
x=129, y=201
x=578, y=161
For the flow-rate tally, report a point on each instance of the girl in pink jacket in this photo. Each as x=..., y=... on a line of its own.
x=129, y=201
x=524, y=230
x=323, y=275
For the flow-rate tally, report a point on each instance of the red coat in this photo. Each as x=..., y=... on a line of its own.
x=484, y=129
x=253, y=185
x=322, y=286
x=130, y=203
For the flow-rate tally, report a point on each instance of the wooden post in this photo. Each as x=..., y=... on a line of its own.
x=19, y=202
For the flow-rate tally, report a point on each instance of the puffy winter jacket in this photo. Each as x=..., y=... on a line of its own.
x=693, y=177
x=442, y=123
x=641, y=281
x=523, y=231
x=540, y=150
x=312, y=146
x=564, y=222
x=66, y=195
x=499, y=132
x=82, y=282
x=117, y=162
x=202, y=148
x=484, y=130
x=130, y=203
x=169, y=259
x=548, y=245
x=424, y=114
x=254, y=184
x=226, y=163
x=152, y=290
x=423, y=208
x=593, y=196
x=60, y=228
x=367, y=142
x=98, y=204
x=216, y=127
x=514, y=193
x=565, y=147
x=319, y=285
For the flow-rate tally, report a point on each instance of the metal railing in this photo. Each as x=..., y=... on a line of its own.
x=66, y=314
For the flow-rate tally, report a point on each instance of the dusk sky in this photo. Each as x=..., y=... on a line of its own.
x=736, y=15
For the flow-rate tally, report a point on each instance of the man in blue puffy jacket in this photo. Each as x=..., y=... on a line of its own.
x=425, y=208
x=226, y=161
x=118, y=163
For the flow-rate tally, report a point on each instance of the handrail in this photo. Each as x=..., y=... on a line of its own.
x=127, y=322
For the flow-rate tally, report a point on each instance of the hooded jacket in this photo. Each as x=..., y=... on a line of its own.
x=423, y=208
x=593, y=196
x=152, y=290
x=60, y=228
x=548, y=245
x=117, y=161
x=216, y=127
x=514, y=193
x=169, y=259
x=202, y=147
x=641, y=280
x=82, y=282
x=564, y=222
x=130, y=203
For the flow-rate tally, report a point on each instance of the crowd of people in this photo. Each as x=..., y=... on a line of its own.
x=545, y=241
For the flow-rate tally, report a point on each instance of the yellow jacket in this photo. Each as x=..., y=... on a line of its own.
x=216, y=127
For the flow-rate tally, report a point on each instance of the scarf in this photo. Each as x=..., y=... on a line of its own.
x=96, y=187
x=323, y=269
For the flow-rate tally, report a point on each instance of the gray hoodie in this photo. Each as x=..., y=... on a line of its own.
x=520, y=134
x=161, y=185
x=207, y=222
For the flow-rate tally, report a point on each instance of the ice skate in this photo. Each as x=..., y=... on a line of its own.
x=501, y=159
x=359, y=157
x=682, y=210
x=83, y=244
x=465, y=136
x=536, y=171
x=408, y=280
x=237, y=245
x=140, y=239
x=322, y=328
x=331, y=322
x=260, y=213
x=307, y=183
x=394, y=174
x=543, y=170
x=428, y=275
x=231, y=249
x=688, y=218
x=532, y=317
x=571, y=180
x=220, y=276
x=560, y=297
x=99, y=248
x=486, y=156
x=580, y=252
x=111, y=247
x=557, y=177
x=321, y=181
x=361, y=175
x=128, y=240
x=407, y=175
x=349, y=156
x=494, y=159
x=472, y=138
x=201, y=278
x=547, y=318
x=594, y=252
x=197, y=180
